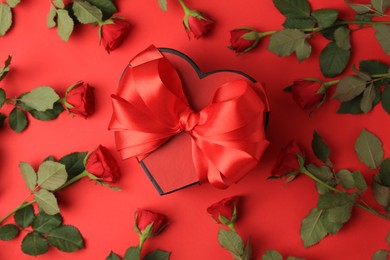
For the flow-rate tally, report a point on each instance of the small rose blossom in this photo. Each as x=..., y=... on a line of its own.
x=144, y=218
x=198, y=23
x=287, y=161
x=79, y=99
x=305, y=93
x=115, y=33
x=239, y=44
x=224, y=209
x=102, y=164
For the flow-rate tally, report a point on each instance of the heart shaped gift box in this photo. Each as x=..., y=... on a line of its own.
x=185, y=126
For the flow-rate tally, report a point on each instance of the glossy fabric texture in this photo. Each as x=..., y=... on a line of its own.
x=228, y=136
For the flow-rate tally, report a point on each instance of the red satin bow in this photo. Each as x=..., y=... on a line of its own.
x=228, y=136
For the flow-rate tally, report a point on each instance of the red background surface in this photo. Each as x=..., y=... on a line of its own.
x=270, y=211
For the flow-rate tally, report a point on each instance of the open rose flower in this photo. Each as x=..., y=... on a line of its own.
x=102, y=164
x=244, y=39
x=79, y=99
x=305, y=93
x=144, y=218
x=114, y=32
x=224, y=211
x=287, y=161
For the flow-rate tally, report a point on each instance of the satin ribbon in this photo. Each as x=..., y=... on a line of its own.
x=228, y=136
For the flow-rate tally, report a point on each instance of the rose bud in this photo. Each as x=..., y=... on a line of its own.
x=79, y=99
x=305, y=93
x=287, y=162
x=114, y=32
x=148, y=223
x=199, y=24
x=225, y=211
x=102, y=165
x=244, y=39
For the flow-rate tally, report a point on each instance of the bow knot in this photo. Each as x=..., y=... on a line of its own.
x=188, y=120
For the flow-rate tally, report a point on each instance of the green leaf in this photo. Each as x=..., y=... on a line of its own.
x=381, y=255
x=34, y=244
x=74, y=163
x=287, y=41
x=49, y=114
x=2, y=118
x=328, y=32
x=50, y=19
x=17, y=120
x=388, y=238
x=359, y=180
x=312, y=230
x=340, y=214
x=86, y=13
x=353, y=106
x=113, y=256
x=2, y=97
x=345, y=179
x=369, y=149
x=320, y=149
x=299, y=23
x=359, y=8
x=331, y=227
x=381, y=192
x=247, y=255
x=47, y=201
x=372, y=67
x=5, y=18
x=24, y=216
x=349, y=87
x=157, y=255
x=44, y=223
x=59, y=4
x=107, y=7
x=380, y=5
x=382, y=34
x=293, y=8
x=384, y=172
x=65, y=24
x=29, y=175
x=386, y=99
x=231, y=241
x=333, y=60
x=294, y=258
x=341, y=36
x=13, y=3
x=360, y=74
x=329, y=201
x=66, y=238
x=51, y=175
x=5, y=69
x=132, y=253
x=163, y=5
x=41, y=98
x=8, y=232
x=325, y=17
x=369, y=95
x=272, y=255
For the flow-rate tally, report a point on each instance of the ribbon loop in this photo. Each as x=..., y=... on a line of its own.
x=228, y=136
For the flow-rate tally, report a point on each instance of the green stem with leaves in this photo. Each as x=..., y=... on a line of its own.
x=376, y=77
x=361, y=205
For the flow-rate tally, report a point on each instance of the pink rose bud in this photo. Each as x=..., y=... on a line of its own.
x=102, y=164
x=287, y=161
x=148, y=223
x=199, y=24
x=114, y=32
x=225, y=211
x=305, y=93
x=79, y=99
x=244, y=39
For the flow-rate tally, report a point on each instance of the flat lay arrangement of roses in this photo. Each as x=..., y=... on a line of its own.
x=88, y=137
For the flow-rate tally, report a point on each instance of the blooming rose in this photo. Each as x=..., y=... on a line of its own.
x=144, y=218
x=287, y=161
x=114, y=34
x=225, y=211
x=102, y=164
x=305, y=93
x=238, y=42
x=198, y=23
x=79, y=99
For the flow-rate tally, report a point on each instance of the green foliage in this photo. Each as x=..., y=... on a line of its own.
x=325, y=17
x=107, y=7
x=66, y=238
x=5, y=69
x=29, y=175
x=34, y=244
x=319, y=147
x=86, y=13
x=272, y=255
x=44, y=223
x=231, y=241
x=349, y=87
x=51, y=16
x=132, y=253
x=299, y=9
x=5, y=18
x=381, y=255
x=13, y=3
x=113, y=256
x=8, y=232
x=384, y=172
x=24, y=216
x=382, y=34
x=17, y=120
x=333, y=60
x=74, y=163
x=341, y=36
x=49, y=114
x=157, y=255
x=386, y=99
x=381, y=192
x=41, y=98
x=65, y=24
x=312, y=229
x=369, y=149
x=47, y=201
x=163, y=5
x=51, y=175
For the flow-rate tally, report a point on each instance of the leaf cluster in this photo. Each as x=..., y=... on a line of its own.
x=6, y=15
x=230, y=240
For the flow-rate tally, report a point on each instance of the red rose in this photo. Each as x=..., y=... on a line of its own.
x=144, y=218
x=287, y=161
x=239, y=44
x=114, y=34
x=198, y=23
x=305, y=93
x=225, y=211
x=79, y=99
x=102, y=164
